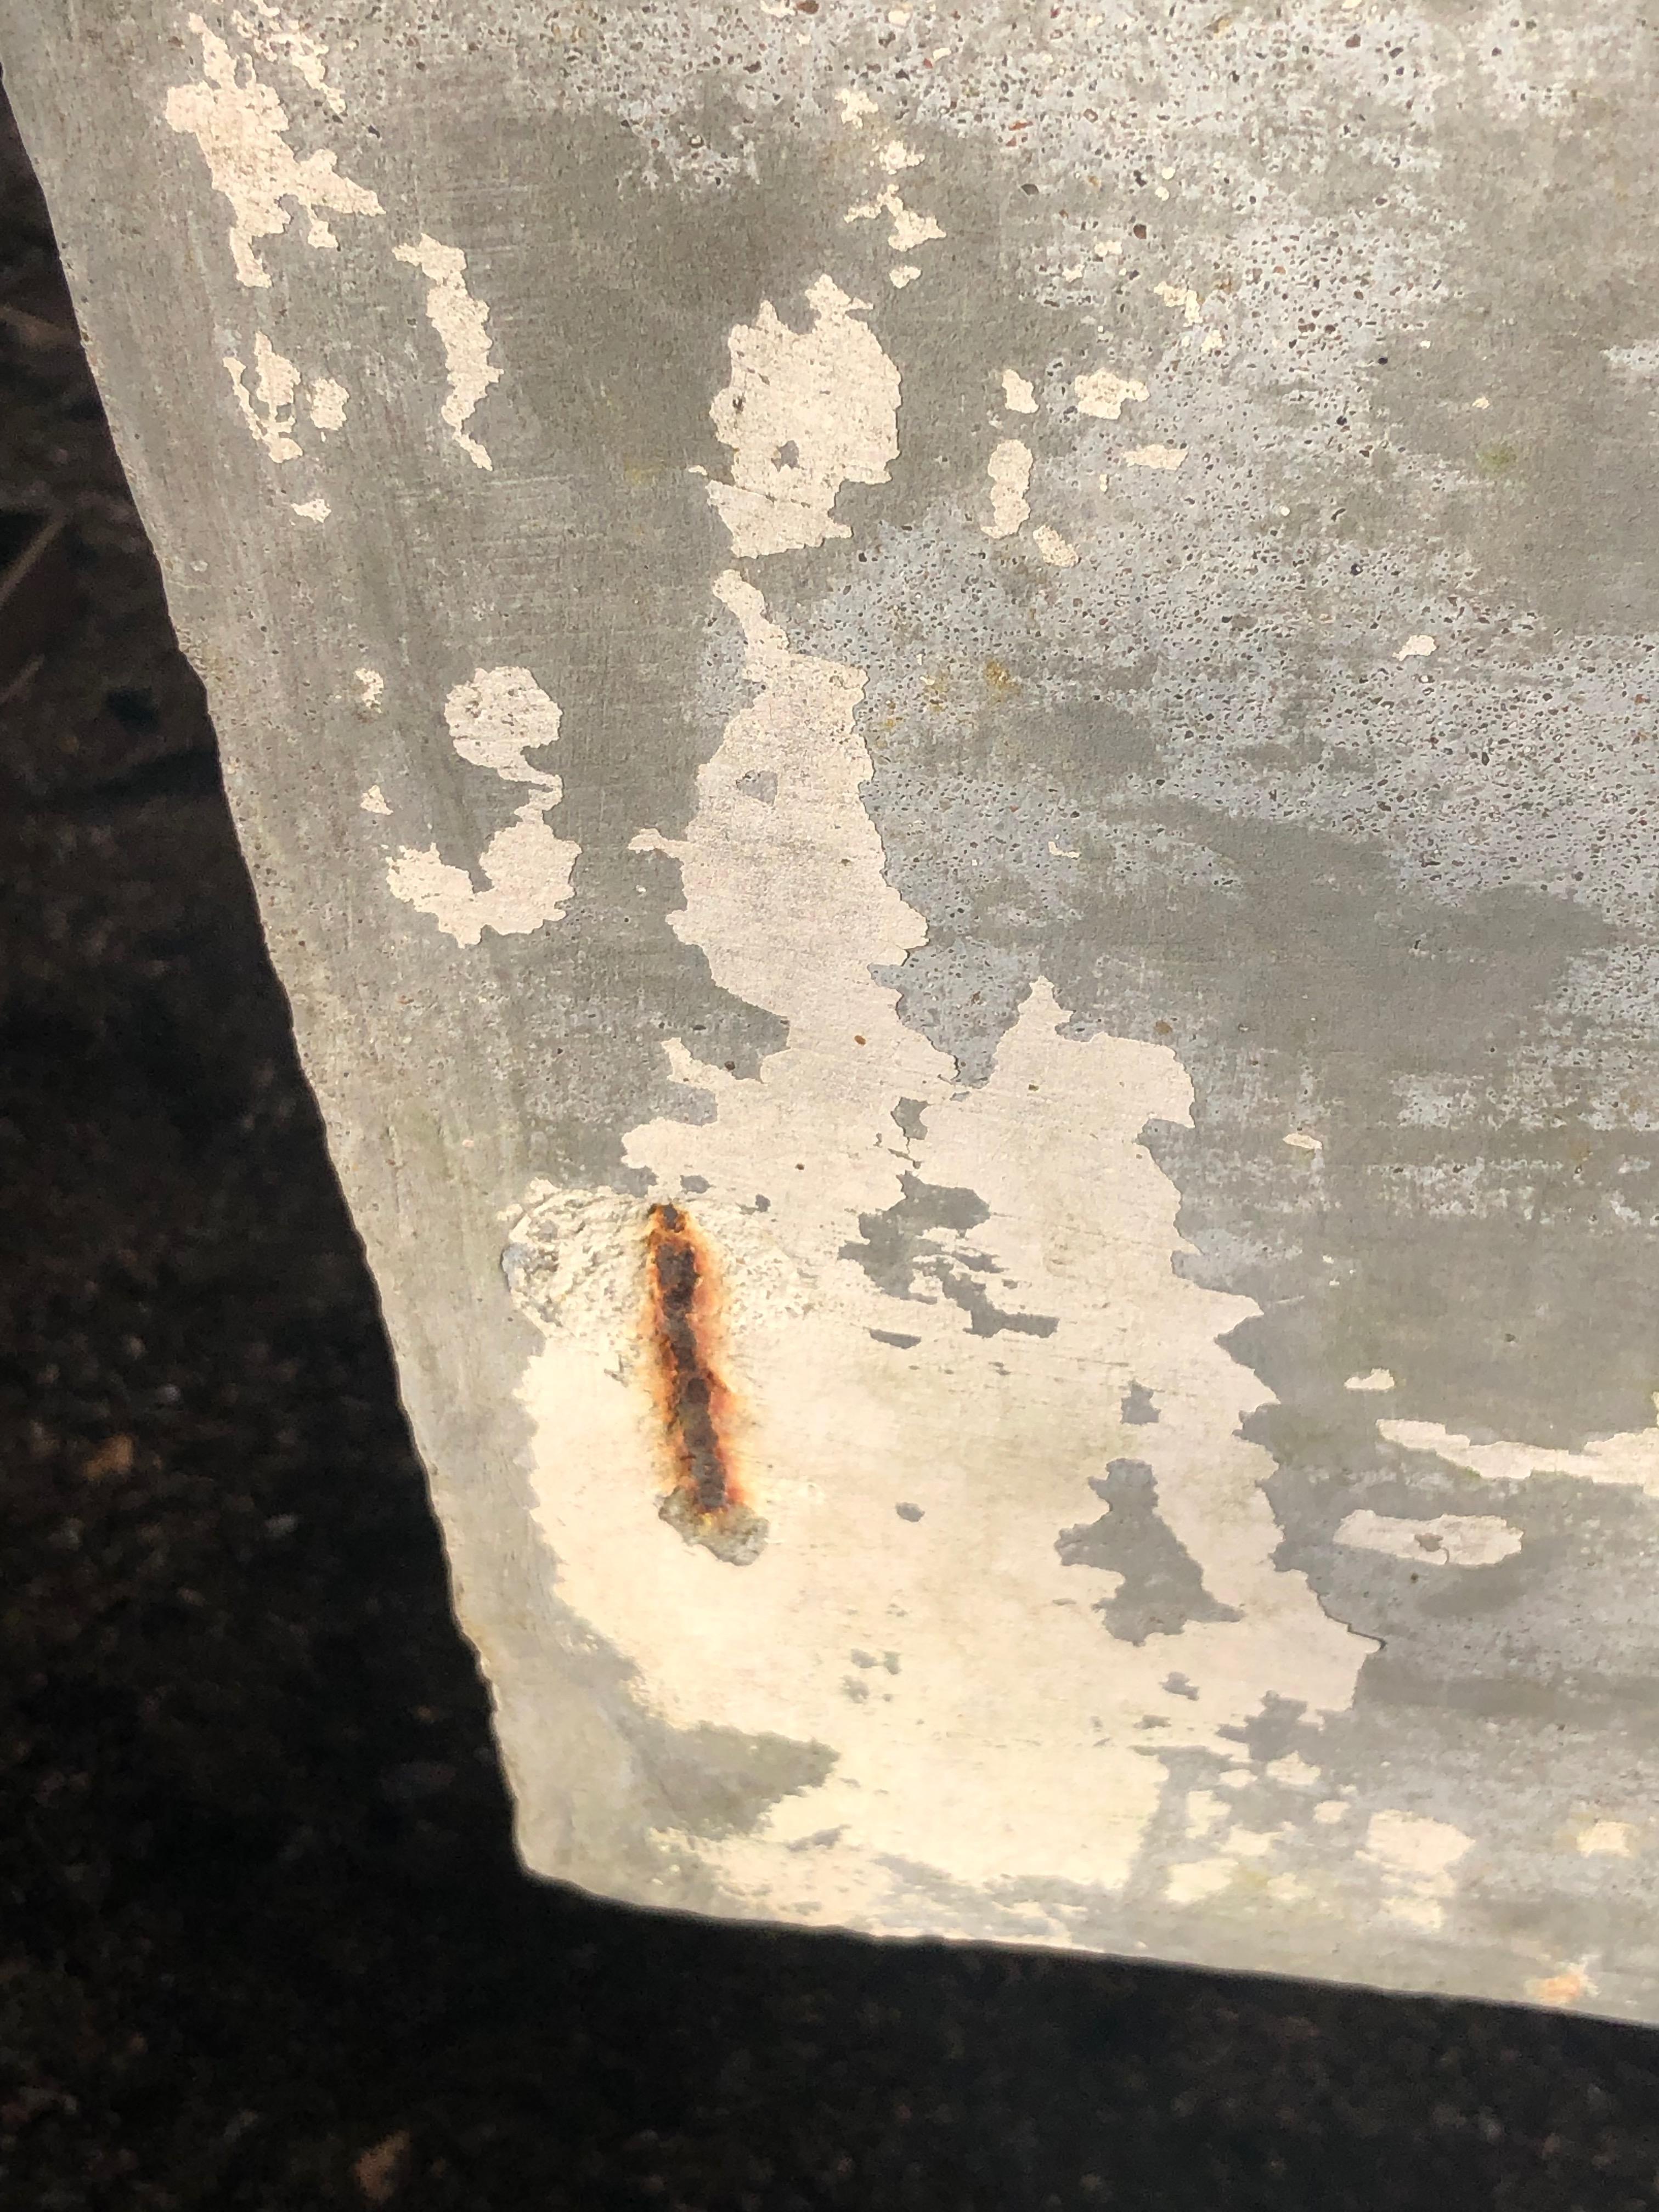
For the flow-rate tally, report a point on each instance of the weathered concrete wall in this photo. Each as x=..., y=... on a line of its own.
x=946, y=720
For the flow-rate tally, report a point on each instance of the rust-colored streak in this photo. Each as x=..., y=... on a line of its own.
x=700, y=1417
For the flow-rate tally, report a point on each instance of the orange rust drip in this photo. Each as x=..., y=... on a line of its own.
x=700, y=1417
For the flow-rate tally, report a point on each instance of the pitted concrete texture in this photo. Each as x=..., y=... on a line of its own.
x=946, y=721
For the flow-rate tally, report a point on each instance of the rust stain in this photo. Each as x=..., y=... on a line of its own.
x=683, y=1326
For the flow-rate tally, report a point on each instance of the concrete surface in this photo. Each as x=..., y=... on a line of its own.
x=1011, y=1176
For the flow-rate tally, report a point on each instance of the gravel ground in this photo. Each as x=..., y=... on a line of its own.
x=263, y=1939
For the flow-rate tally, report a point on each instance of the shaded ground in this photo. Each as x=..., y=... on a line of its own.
x=263, y=1941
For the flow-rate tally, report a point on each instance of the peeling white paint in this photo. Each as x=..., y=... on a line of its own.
x=854, y=106
x=1017, y=396
x=371, y=689
x=1377, y=1378
x=1002, y=1743
x=1059, y=552
x=1190, y=1881
x=1637, y=362
x=494, y=722
x=1300, y=1140
x=1629, y=1459
x=526, y=867
x=1177, y=295
x=906, y=273
x=268, y=410
x=1454, y=1539
x=1205, y=1811
x=1416, y=649
x=500, y=716
x=1295, y=1771
x=1103, y=393
x=804, y=413
x=311, y=510
x=461, y=323
x=325, y=404
x=1009, y=469
x=374, y=800
x=1416, y=1856
x=909, y=228
x=277, y=37
x=1607, y=1839
x=1154, y=456
x=239, y=125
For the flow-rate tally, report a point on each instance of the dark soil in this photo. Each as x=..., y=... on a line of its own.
x=263, y=1939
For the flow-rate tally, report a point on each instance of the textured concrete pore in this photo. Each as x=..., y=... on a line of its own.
x=947, y=720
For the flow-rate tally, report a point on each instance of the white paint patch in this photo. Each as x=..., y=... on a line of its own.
x=1416, y=1856
x=1056, y=550
x=311, y=510
x=460, y=321
x=1629, y=1461
x=1379, y=1378
x=909, y=229
x=1416, y=649
x=1300, y=1141
x=1607, y=1839
x=1295, y=1771
x=374, y=800
x=1454, y=1540
x=804, y=413
x=1192, y=1881
x=495, y=719
x=1103, y=393
x=1205, y=1811
x=268, y=410
x=895, y=155
x=1330, y=1810
x=1177, y=295
x=1009, y=469
x=239, y=125
x=1154, y=456
x=854, y=107
x=371, y=689
x=325, y=404
x=1017, y=396
x=277, y=37
x=526, y=867
x=906, y=273
x=500, y=716
x=1637, y=362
